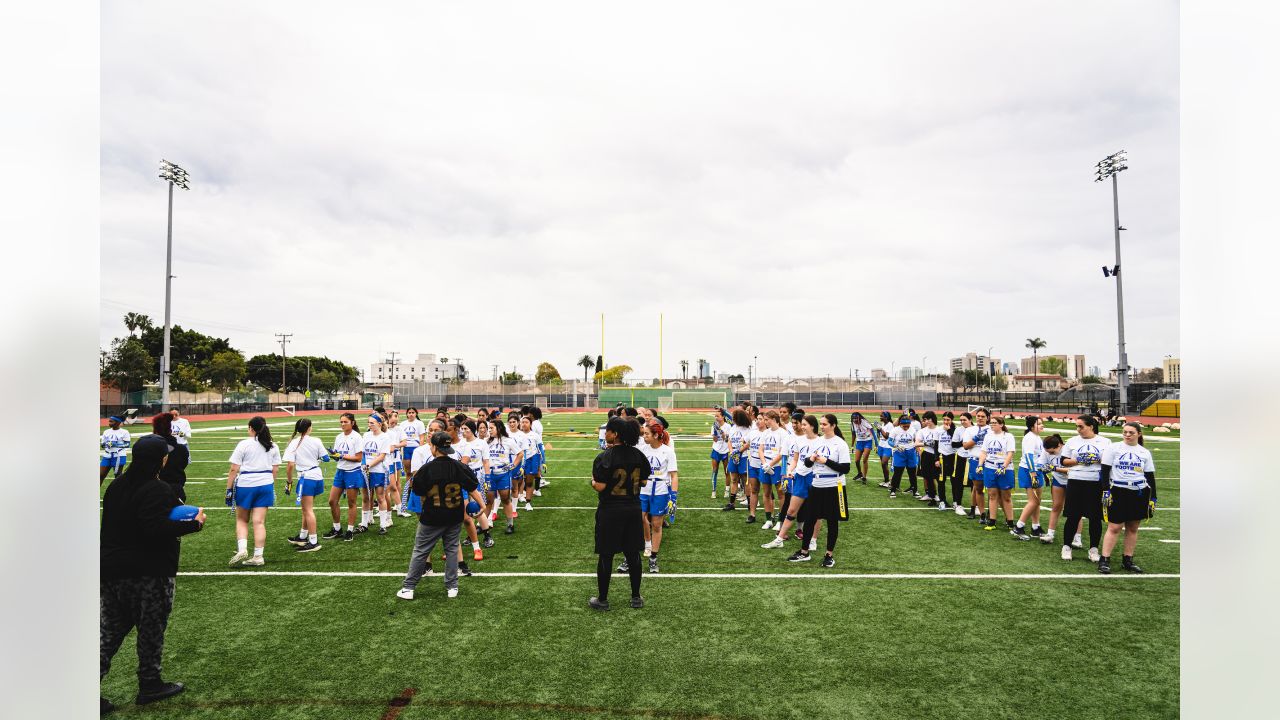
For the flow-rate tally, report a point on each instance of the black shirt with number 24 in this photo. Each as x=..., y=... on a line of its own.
x=623, y=469
x=444, y=484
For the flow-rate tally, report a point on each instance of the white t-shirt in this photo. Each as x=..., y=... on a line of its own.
x=801, y=448
x=307, y=452
x=738, y=435
x=929, y=436
x=1129, y=463
x=753, y=446
x=348, y=444
x=863, y=431
x=882, y=436
x=902, y=440
x=502, y=454
x=424, y=457
x=995, y=445
x=181, y=430
x=1032, y=452
x=773, y=443
x=1088, y=456
x=472, y=453
x=395, y=435
x=115, y=443
x=943, y=436
x=834, y=449
x=256, y=463
x=373, y=445
x=720, y=437
x=915, y=425
x=413, y=431
x=962, y=434
x=536, y=427
x=977, y=434
x=662, y=462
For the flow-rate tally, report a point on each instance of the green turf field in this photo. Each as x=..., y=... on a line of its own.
x=924, y=614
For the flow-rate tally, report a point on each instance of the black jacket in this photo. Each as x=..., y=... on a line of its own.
x=138, y=539
x=174, y=471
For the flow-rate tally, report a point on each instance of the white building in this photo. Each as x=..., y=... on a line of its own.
x=974, y=361
x=427, y=368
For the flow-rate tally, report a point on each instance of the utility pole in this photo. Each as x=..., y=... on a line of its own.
x=174, y=175
x=1109, y=167
x=284, y=340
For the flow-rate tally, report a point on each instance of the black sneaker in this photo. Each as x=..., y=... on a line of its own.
x=295, y=540
x=637, y=602
x=751, y=519
x=624, y=568
x=158, y=691
x=308, y=547
x=597, y=604
x=1129, y=566
x=511, y=529
x=828, y=561
x=653, y=565
x=892, y=494
x=1019, y=533
x=348, y=536
x=487, y=542
x=382, y=530
x=362, y=528
x=1037, y=532
x=462, y=568
x=334, y=533
x=864, y=479
x=730, y=506
x=1104, y=566
x=799, y=556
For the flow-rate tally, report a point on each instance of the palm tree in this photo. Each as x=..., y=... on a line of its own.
x=135, y=321
x=684, y=369
x=1034, y=344
x=702, y=362
x=587, y=363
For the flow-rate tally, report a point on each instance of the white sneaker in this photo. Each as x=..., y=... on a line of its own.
x=528, y=505
x=521, y=497
x=942, y=504
x=1047, y=538
x=884, y=484
x=1076, y=543
x=239, y=557
x=453, y=592
x=1066, y=552
x=648, y=550
x=960, y=510
x=404, y=594
x=777, y=542
x=768, y=525
x=537, y=493
x=743, y=501
x=402, y=513
x=1094, y=555
x=813, y=545
x=255, y=561
x=713, y=496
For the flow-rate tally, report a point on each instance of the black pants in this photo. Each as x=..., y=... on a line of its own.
x=929, y=471
x=144, y=603
x=823, y=504
x=897, y=479
x=604, y=571
x=1084, y=499
x=955, y=475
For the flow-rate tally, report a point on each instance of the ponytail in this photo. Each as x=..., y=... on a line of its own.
x=656, y=429
x=835, y=423
x=261, y=432
x=302, y=427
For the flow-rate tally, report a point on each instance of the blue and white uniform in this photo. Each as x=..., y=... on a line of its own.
x=753, y=451
x=996, y=446
x=884, y=443
x=376, y=448
x=1129, y=465
x=1088, y=457
x=255, y=483
x=976, y=435
x=181, y=430
x=536, y=427
x=864, y=436
x=532, y=452
x=1031, y=464
x=348, y=476
x=413, y=431
x=306, y=453
x=773, y=444
x=395, y=435
x=834, y=449
x=521, y=440
x=503, y=453
x=655, y=494
x=903, y=442
x=719, y=440
x=801, y=448
x=738, y=435
x=115, y=448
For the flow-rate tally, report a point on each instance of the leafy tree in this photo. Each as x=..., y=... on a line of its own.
x=970, y=379
x=586, y=363
x=613, y=375
x=186, y=347
x=264, y=371
x=684, y=369
x=1000, y=382
x=325, y=381
x=129, y=366
x=186, y=378
x=1150, y=375
x=225, y=370
x=1093, y=380
x=1053, y=366
x=134, y=321
x=738, y=379
x=547, y=374
x=956, y=380
x=511, y=378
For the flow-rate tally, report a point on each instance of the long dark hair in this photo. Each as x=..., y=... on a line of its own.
x=302, y=427
x=741, y=418
x=835, y=423
x=627, y=430
x=1136, y=426
x=261, y=431
x=1031, y=423
x=1089, y=420
x=352, y=418
x=498, y=432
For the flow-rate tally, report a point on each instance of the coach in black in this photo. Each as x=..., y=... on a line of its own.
x=444, y=485
x=617, y=475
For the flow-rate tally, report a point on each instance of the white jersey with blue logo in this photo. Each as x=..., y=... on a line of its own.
x=834, y=449
x=413, y=431
x=395, y=434
x=902, y=439
x=801, y=448
x=115, y=443
x=307, y=452
x=472, y=453
x=662, y=462
x=502, y=454
x=1032, y=453
x=882, y=436
x=929, y=437
x=372, y=446
x=977, y=434
x=720, y=437
x=773, y=443
x=348, y=444
x=738, y=436
x=944, y=437
x=181, y=430
x=1088, y=457
x=996, y=445
x=1129, y=465
x=863, y=431
x=753, y=446
x=256, y=463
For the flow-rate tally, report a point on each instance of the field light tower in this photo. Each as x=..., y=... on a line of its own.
x=1109, y=167
x=174, y=175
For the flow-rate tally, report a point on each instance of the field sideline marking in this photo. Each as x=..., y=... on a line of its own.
x=536, y=509
x=713, y=576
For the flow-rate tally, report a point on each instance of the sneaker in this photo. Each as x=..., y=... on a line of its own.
x=493, y=517
x=864, y=479
x=728, y=507
x=477, y=555
x=925, y=498
x=743, y=502
x=653, y=565
x=334, y=533
x=942, y=505
x=428, y=571
x=463, y=569
x=1066, y=552
x=255, y=561
x=528, y=505
x=598, y=604
x=813, y=544
x=239, y=557
x=1131, y=567
x=768, y=525
x=960, y=510
x=1037, y=532
x=1076, y=543
x=308, y=547
x=648, y=550
x=486, y=543
x=362, y=529
x=777, y=542
x=751, y=519
x=884, y=484
x=1019, y=533
x=295, y=540
x=403, y=513
x=404, y=594
x=624, y=568
x=637, y=602
x=382, y=530
x=1104, y=566
x=892, y=494
x=828, y=561
x=1047, y=538
x=537, y=493
x=713, y=496
x=989, y=526
x=1094, y=555
x=914, y=493
x=799, y=556
x=153, y=692
x=348, y=536
x=543, y=482
x=451, y=592
x=511, y=529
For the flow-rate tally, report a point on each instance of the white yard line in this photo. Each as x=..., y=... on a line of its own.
x=538, y=508
x=1175, y=542
x=718, y=576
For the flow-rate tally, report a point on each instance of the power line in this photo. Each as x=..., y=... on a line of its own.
x=284, y=340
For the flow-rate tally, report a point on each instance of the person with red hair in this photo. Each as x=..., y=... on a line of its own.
x=662, y=486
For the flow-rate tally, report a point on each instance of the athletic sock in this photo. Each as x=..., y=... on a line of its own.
x=1034, y=526
x=386, y=518
x=1009, y=523
x=312, y=538
x=350, y=527
x=257, y=552
x=242, y=545
x=475, y=546
x=302, y=534
x=1021, y=524
x=366, y=516
x=337, y=527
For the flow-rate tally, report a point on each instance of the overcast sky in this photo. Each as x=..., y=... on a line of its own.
x=829, y=186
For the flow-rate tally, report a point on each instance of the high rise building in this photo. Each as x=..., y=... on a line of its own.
x=1172, y=368
x=1074, y=364
x=974, y=361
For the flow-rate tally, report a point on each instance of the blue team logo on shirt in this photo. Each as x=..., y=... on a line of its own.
x=655, y=464
x=1130, y=462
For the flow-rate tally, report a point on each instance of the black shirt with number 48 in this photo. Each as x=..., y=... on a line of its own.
x=444, y=484
x=623, y=469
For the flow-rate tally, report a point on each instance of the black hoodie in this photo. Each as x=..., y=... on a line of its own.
x=138, y=539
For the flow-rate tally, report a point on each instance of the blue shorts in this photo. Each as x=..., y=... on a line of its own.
x=884, y=452
x=906, y=459
x=500, y=481
x=772, y=476
x=654, y=505
x=533, y=465
x=116, y=462
x=719, y=455
x=377, y=480
x=1058, y=483
x=255, y=497
x=310, y=488
x=739, y=467
x=863, y=444
x=800, y=485
x=408, y=454
x=753, y=471
x=1025, y=477
x=348, y=479
x=998, y=480
x=975, y=472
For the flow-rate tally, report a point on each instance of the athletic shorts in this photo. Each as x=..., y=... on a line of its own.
x=997, y=480
x=719, y=455
x=654, y=505
x=377, y=480
x=533, y=465
x=408, y=454
x=414, y=503
x=771, y=476
x=863, y=444
x=255, y=497
x=739, y=467
x=884, y=452
x=310, y=488
x=1059, y=481
x=906, y=459
x=500, y=481
x=112, y=462
x=1025, y=477
x=975, y=471
x=348, y=479
x=800, y=485
x=753, y=471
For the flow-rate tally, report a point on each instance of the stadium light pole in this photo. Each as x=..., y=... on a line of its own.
x=174, y=175
x=1109, y=167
